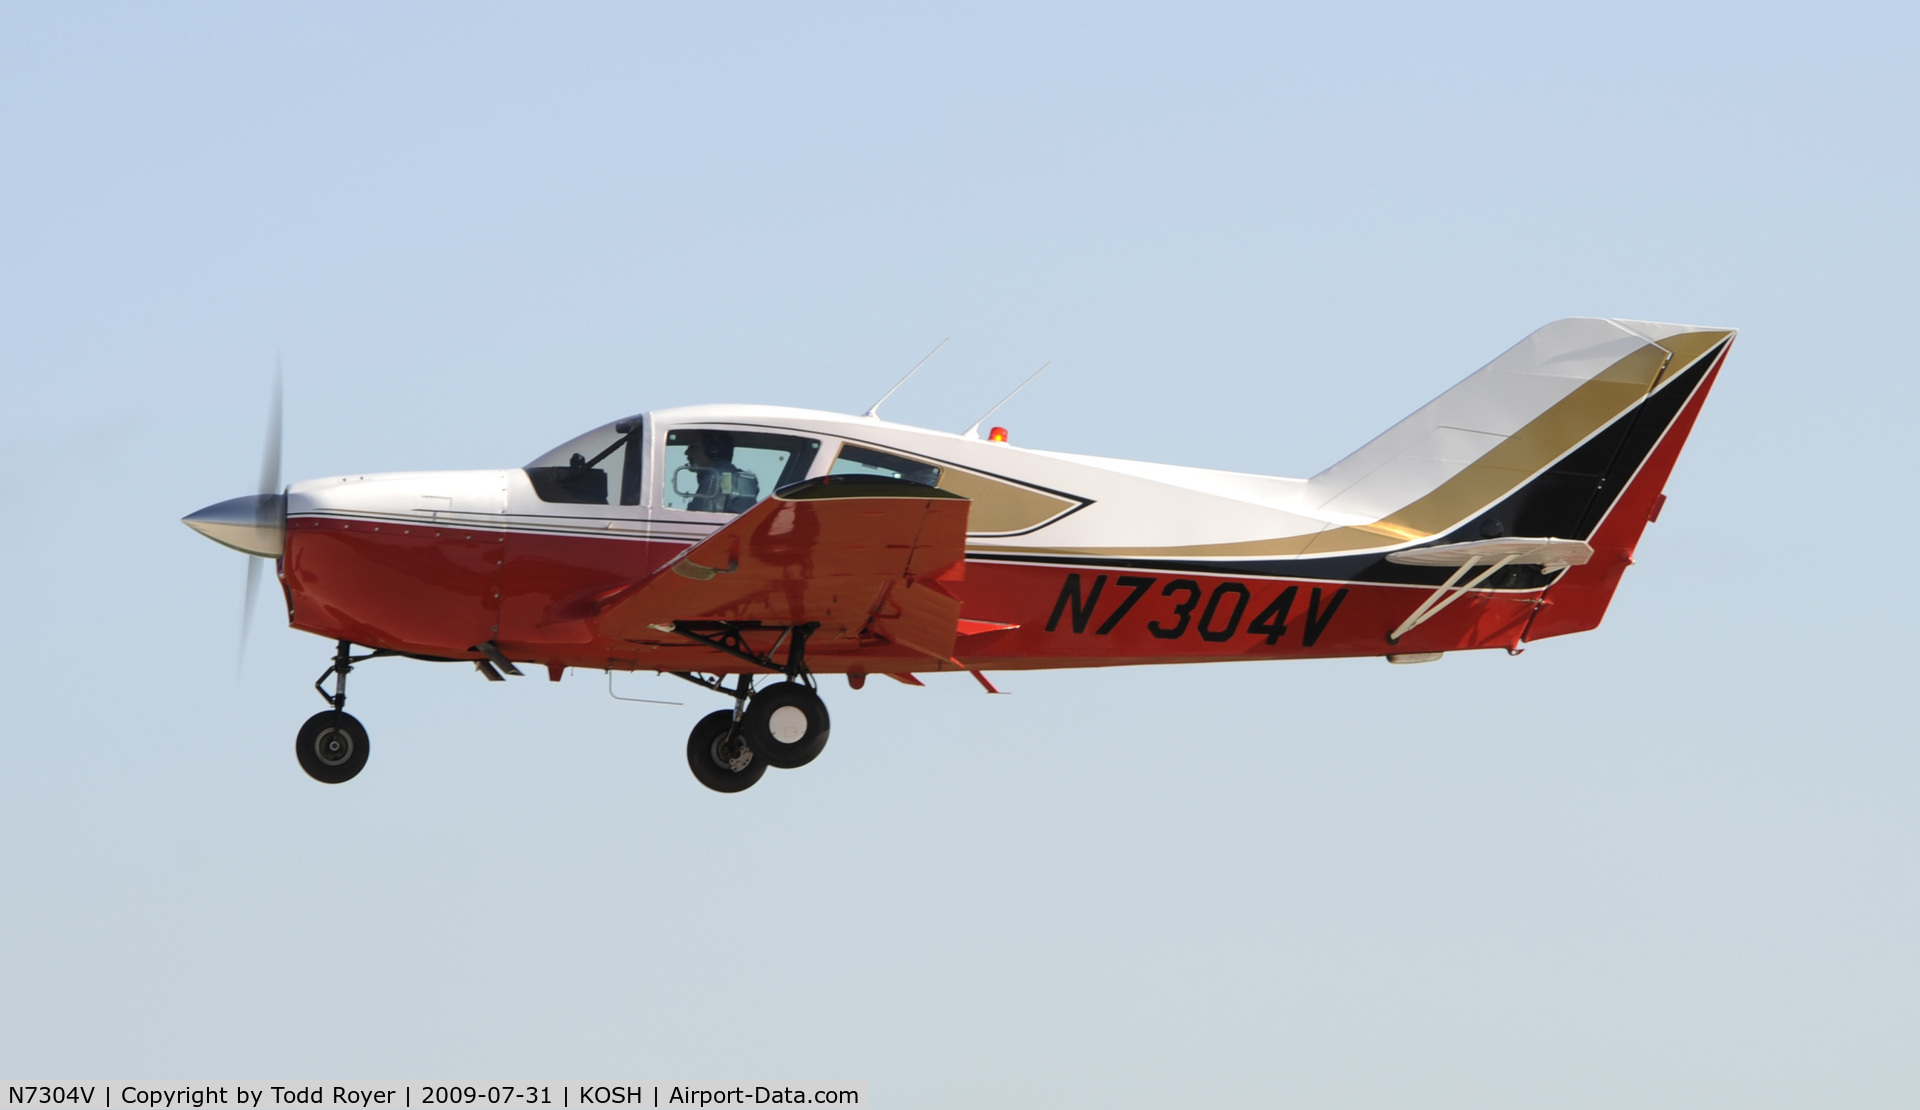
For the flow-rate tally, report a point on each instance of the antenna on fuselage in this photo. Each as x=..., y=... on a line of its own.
x=974, y=432
x=873, y=411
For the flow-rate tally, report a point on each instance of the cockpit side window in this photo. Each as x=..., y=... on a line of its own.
x=713, y=470
x=855, y=459
x=577, y=471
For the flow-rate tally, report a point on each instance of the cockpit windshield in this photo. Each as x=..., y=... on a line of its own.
x=585, y=469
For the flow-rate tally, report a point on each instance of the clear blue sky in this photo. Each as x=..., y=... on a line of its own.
x=1668, y=863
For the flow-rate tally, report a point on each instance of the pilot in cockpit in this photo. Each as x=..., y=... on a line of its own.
x=720, y=486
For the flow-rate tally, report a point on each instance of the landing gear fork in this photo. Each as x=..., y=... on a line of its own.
x=343, y=661
x=342, y=664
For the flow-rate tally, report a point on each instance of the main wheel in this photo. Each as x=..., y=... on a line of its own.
x=721, y=760
x=332, y=746
x=786, y=724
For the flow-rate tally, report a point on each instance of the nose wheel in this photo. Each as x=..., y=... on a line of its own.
x=332, y=746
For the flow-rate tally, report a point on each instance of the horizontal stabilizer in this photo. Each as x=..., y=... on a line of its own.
x=1547, y=554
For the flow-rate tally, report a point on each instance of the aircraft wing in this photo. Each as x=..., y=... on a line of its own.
x=860, y=556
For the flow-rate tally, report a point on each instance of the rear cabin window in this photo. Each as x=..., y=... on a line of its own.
x=587, y=469
x=711, y=470
x=855, y=459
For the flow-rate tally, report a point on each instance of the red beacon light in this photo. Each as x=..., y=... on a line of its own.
x=997, y=435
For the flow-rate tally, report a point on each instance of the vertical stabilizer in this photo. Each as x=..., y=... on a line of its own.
x=1539, y=442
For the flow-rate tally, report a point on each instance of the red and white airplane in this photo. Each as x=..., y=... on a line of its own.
x=758, y=543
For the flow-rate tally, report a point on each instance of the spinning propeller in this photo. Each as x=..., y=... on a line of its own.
x=255, y=524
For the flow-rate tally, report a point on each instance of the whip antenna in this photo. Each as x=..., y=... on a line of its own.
x=974, y=432
x=874, y=411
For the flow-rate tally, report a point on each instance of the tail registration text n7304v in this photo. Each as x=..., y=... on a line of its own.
x=750, y=549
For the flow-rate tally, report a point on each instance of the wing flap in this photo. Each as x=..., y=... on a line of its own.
x=919, y=615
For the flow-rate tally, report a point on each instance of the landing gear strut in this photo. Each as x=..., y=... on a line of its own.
x=784, y=725
x=332, y=746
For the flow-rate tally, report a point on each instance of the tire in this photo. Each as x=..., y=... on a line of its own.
x=705, y=751
x=786, y=724
x=332, y=747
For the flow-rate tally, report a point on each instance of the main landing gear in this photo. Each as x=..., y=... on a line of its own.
x=332, y=746
x=784, y=725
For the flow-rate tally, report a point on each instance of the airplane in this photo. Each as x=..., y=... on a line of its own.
x=765, y=547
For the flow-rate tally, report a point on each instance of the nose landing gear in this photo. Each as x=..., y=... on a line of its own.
x=332, y=746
